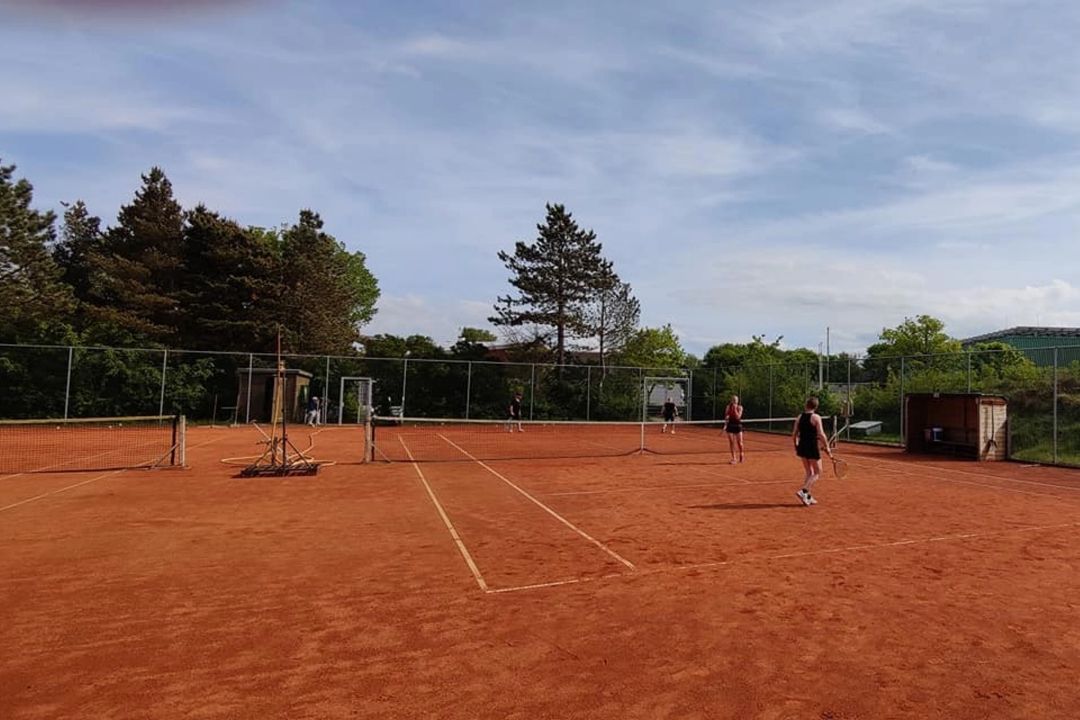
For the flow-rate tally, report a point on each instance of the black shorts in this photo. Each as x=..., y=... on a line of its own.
x=669, y=418
x=808, y=453
x=734, y=428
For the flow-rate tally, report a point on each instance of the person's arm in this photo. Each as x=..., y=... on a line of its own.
x=738, y=412
x=795, y=434
x=823, y=439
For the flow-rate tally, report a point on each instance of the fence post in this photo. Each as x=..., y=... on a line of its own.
x=770, y=393
x=903, y=430
x=714, y=393
x=468, y=389
x=164, y=363
x=404, y=379
x=247, y=412
x=1055, y=444
x=67, y=388
x=969, y=371
x=532, y=387
x=588, y=393
x=324, y=408
x=849, y=406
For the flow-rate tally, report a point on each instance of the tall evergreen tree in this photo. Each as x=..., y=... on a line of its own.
x=554, y=276
x=327, y=292
x=81, y=237
x=137, y=270
x=229, y=284
x=35, y=301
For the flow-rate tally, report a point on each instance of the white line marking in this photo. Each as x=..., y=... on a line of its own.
x=932, y=478
x=878, y=546
x=446, y=521
x=741, y=484
x=1075, y=488
x=542, y=506
x=57, y=492
x=788, y=556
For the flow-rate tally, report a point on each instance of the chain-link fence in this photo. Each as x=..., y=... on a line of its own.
x=1041, y=385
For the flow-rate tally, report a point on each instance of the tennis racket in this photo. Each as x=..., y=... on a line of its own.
x=840, y=467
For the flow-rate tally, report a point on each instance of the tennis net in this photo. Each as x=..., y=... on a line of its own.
x=91, y=444
x=393, y=439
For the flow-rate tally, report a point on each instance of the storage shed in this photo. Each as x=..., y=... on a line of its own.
x=965, y=424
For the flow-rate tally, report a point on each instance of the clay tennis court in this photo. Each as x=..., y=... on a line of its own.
x=640, y=586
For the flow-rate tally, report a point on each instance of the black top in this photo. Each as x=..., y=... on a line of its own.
x=807, y=446
x=669, y=410
x=515, y=407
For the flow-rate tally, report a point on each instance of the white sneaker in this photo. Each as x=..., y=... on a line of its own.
x=804, y=497
x=813, y=500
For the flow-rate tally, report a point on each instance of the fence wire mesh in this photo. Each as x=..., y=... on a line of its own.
x=1042, y=386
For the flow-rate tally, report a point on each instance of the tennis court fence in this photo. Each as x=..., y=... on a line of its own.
x=41, y=381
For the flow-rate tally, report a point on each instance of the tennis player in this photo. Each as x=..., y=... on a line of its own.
x=670, y=412
x=733, y=426
x=809, y=437
x=515, y=412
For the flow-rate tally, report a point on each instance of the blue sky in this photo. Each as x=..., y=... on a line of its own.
x=751, y=167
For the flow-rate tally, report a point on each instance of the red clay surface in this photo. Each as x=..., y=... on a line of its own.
x=655, y=586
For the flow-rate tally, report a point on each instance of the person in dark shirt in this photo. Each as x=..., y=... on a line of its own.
x=670, y=412
x=809, y=437
x=515, y=413
x=733, y=425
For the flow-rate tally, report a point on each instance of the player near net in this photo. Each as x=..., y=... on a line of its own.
x=734, y=429
x=669, y=411
x=515, y=413
x=809, y=437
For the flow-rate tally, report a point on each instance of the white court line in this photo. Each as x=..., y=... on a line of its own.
x=787, y=556
x=740, y=484
x=879, y=546
x=446, y=521
x=57, y=492
x=1075, y=488
x=554, y=583
x=542, y=506
x=932, y=478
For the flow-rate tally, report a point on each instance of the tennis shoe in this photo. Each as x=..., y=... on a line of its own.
x=804, y=497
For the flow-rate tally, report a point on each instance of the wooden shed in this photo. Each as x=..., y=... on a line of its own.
x=969, y=425
x=261, y=382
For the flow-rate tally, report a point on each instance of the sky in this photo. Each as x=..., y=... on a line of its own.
x=752, y=168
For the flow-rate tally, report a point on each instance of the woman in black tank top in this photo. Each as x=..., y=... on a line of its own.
x=809, y=435
x=733, y=426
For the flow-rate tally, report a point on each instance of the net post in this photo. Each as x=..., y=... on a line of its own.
x=175, y=435
x=369, y=440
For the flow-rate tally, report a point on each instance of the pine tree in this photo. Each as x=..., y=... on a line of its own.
x=555, y=276
x=327, y=292
x=36, y=302
x=229, y=284
x=81, y=237
x=137, y=269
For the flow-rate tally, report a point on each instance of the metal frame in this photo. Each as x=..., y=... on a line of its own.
x=341, y=396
